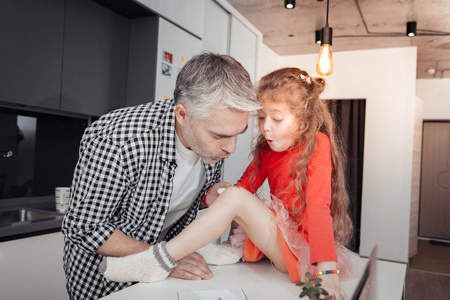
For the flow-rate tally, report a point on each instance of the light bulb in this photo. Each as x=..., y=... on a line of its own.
x=324, y=66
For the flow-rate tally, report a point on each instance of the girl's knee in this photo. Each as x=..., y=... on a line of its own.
x=235, y=193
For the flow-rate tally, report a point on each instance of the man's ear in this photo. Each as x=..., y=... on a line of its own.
x=181, y=114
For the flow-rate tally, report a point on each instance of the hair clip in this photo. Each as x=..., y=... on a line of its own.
x=306, y=78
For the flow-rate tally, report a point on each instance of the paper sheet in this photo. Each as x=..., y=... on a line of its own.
x=231, y=294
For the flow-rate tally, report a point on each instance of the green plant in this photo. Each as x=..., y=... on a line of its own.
x=311, y=287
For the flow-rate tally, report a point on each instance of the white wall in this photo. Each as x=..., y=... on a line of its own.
x=32, y=268
x=416, y=174
x=270, y=61
x=435, y=94
x=386, y=79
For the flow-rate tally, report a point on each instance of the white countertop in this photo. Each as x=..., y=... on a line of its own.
x=260, y=281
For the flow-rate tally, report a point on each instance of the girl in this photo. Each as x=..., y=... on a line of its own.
x=305, y=225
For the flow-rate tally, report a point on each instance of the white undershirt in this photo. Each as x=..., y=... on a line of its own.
x=188, y=180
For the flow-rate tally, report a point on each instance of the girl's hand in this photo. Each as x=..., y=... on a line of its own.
x=332, y=285
x=331, y=282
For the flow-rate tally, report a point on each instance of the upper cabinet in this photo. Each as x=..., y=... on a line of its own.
x=187, y=14
x=95, y=59
x=216, y=28
x=31, y=37
x=74, y=55
x=92, y=56
x=175, y=48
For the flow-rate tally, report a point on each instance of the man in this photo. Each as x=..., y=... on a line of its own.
x=143, y=171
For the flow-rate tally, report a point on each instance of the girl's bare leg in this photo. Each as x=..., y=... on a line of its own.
x=234, y=204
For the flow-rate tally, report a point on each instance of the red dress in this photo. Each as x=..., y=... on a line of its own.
x=316, y=228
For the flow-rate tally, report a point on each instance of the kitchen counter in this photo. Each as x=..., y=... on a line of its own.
x=261, y=281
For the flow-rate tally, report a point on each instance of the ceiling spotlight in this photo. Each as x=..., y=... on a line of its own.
x=411, y=28
x=318, y=37
x=289, y=4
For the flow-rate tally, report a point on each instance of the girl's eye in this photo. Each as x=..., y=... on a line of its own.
x=277, y=120
x=260, y=118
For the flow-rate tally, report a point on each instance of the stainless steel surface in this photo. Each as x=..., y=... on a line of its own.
x=20, y=216
x=19, y=221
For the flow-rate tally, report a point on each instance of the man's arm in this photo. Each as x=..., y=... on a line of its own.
x=119, y=244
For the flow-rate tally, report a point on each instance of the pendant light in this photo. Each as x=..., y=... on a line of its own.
x=324, y=66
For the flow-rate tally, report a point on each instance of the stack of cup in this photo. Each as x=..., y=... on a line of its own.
x=62, y=195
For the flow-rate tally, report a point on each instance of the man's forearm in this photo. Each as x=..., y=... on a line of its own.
x=119, y=244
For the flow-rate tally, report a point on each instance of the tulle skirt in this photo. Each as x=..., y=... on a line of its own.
x=294, y=247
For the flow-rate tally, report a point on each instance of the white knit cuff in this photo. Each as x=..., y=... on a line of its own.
x=154, y=264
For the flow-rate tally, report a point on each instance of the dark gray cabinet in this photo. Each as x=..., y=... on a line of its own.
x=78, y=56
x=142, y=61
x=95, y=59
x=31, y=39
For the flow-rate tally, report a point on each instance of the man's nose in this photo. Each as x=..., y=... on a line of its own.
x=230, y=145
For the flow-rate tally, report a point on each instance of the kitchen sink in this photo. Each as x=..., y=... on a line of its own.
x=23, y=216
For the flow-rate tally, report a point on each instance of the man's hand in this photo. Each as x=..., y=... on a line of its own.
x=212, y=193
x=192, y=267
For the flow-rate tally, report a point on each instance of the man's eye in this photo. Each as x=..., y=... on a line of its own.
x=261, y=118
x=277, y=120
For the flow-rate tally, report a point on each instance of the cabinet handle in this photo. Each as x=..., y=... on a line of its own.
x=6, y=154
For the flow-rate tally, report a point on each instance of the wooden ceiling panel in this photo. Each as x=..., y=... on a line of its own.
x=292, y=32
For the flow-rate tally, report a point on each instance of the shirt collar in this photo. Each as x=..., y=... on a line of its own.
x=167, y=150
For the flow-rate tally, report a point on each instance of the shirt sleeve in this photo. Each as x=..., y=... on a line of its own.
x=97, y=189
x=252, y=184
x=318, y=200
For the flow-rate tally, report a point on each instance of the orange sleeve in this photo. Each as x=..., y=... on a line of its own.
x=252, y=185
x=318, y=200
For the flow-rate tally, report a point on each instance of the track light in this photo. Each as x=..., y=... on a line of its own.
x=289, y=4
x=318, y=37
x=324, y=66
x=411, y=28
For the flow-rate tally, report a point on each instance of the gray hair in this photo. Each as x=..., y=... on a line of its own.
x=208, y=80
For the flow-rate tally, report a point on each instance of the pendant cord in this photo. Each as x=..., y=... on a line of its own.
x=328, y=6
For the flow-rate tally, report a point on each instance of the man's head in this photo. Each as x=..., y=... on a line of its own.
x=213, y=98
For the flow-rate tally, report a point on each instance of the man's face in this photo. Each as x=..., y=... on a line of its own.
x=213, y=139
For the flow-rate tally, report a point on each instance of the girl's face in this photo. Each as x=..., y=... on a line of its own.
x=277, y=124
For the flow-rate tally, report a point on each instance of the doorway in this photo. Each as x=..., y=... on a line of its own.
x=434, y=213
x=349, y=116
x=433, y=253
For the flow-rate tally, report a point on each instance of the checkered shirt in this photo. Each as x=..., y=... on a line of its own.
x=123, y=179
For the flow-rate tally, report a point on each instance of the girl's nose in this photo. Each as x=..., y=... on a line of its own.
x=266, y=126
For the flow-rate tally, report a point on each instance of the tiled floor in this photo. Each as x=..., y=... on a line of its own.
x=428, y=273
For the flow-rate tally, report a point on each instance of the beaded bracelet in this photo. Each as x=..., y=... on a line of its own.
x=318, y=273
